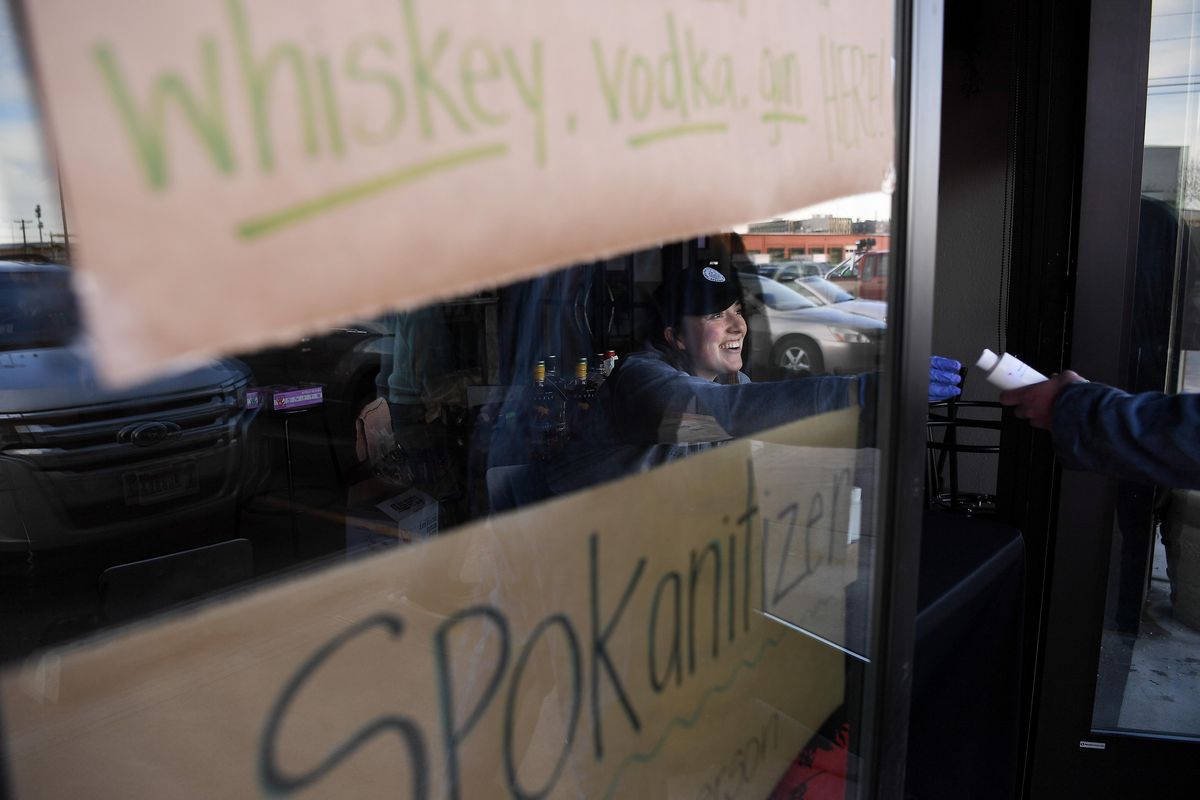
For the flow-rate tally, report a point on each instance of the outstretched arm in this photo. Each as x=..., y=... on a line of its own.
x=1149, y=437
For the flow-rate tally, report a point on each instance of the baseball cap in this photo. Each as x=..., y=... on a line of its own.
x=697, y=291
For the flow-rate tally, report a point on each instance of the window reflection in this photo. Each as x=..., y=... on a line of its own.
x=388, y=431
x=1151, y=616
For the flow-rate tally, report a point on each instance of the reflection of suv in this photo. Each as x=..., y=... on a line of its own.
x=80, y=462
x=863, y=275
x=795, y=270
x=790, y=270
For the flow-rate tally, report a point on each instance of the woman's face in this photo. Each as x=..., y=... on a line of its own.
x=712, y=343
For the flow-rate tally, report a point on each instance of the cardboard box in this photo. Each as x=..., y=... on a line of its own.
x=381, y=515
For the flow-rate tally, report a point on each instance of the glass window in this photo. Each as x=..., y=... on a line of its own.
x=1147, y=682
x=37, y=307
x=630, y=505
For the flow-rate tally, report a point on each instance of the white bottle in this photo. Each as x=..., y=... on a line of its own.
x=1006, y=371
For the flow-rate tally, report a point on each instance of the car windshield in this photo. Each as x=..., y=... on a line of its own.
x=831, y=292
x=776, y=296
x=841, y=271
x=784, y=300
x=37, y=309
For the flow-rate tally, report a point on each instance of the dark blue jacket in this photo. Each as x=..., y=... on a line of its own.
x=1146, y=438
x=649, y=412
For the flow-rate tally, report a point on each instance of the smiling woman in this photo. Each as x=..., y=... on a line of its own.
x=703, y=324
x=685, y=392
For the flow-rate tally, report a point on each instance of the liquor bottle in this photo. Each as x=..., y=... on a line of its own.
x=581, y=396
x=596, y=372
x=610, y=362
x=543, y=417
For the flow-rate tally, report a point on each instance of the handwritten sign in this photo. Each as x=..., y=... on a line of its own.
x=608, y=644
x=238, y=171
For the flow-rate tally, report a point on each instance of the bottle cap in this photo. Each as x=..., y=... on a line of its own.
x=987, y=360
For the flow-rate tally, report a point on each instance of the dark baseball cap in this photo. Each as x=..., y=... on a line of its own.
x=697, y=291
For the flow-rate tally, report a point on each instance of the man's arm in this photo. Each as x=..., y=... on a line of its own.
x=1148, y=438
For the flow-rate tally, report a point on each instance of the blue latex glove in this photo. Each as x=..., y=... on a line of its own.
x=943, y=378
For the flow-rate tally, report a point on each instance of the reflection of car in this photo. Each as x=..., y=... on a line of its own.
x=80, y=462
x=790, y=270
x=794, y=270
x=791, y=335
x=863, y=275
x=825, y=293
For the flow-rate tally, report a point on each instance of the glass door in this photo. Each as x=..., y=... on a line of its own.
x=1148, y=681
x=1118, y=704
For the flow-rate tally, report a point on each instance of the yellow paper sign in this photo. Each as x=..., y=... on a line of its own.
x=238, y=171
x=610, y=644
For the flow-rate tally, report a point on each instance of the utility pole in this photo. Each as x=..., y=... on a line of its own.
x=37, y=212
x=24, y=241
x=62, y=207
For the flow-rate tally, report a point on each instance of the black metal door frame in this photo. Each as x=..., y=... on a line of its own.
x=1067, y=757
x=904, y=388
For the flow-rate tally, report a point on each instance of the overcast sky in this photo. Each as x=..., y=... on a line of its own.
x=24, y=180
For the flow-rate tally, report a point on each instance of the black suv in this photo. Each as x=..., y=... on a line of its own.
x=81, y=462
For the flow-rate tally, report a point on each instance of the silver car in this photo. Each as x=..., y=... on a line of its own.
x=793, y=336
x=827, y=293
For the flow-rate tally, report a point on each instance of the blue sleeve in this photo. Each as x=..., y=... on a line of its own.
x=648, y=392
x=1147, y=438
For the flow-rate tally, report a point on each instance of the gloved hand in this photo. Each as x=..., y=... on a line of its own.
x=943, y=378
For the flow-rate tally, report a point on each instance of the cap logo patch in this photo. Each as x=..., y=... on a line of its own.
x=713, y=275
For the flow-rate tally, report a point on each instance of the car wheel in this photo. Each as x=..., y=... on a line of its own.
x=797, y=357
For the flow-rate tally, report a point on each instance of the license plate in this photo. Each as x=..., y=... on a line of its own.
x=156, y=486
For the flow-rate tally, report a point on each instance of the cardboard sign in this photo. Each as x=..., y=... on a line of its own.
x=241, y=171
x=621, y=642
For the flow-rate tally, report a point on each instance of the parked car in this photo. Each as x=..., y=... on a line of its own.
x=790, y=270
x=81, y=462
x=864, y=275
x=827, y=293
x=791, y=335
x=794, y=270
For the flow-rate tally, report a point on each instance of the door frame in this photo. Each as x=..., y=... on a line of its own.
x=904, y=388
x=1067, y=757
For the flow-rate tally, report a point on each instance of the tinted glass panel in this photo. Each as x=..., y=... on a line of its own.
x=1148, y=682
x=628, y=504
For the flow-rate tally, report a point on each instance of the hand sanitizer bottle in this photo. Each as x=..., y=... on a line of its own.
x=1006, y=371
